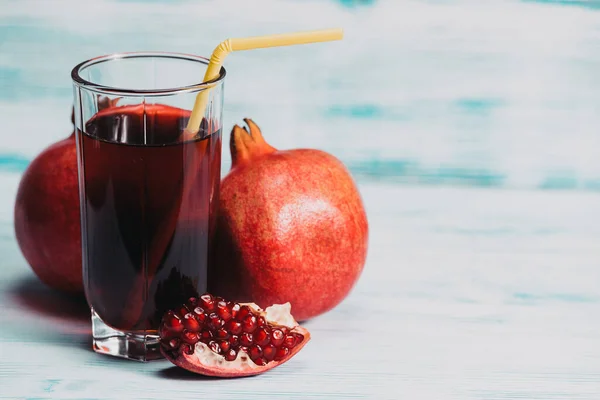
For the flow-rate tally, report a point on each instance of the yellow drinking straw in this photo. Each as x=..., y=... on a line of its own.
x=250, y=43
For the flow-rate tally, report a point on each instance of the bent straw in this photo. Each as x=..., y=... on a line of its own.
x=251, y=43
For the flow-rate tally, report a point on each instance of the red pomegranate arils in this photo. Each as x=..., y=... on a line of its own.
x=189, y=337
x=246, y=339
x=234, y=307
x=214, y=321
x=249, y=323
x=299, y=339
x=183, y=310
x=199, y=314
x=187, y=349
x=224, y=345
x=230, y=355
x=207, y=302
x=277, y=337
x=255, y=351
x=269, y=352
x=289, y=341
x=227, y=329
x=262, y=336
x=190, y=323
x=223, y=310
x=260, y=361
x=222, y=333
x=281, y=353
x=234, y=327
x=173, y=322
x=244, y=311
x=206, y=335
x=214, y=346
x=163, y=331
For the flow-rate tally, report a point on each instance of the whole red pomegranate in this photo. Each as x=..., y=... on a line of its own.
x=46, y=218
x=291, y=227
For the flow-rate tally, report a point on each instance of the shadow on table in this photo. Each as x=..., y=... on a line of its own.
x=181, y=374
x=38, y=298
x=58, y=318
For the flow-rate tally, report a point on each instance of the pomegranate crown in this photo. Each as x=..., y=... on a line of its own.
x=248, y=143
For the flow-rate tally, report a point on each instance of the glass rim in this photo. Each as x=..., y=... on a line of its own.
x=112, y=90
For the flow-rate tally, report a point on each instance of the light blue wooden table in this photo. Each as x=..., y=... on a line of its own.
x=472, y=128
x=467, y=294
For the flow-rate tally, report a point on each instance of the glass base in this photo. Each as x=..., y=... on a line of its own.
x=134, y=346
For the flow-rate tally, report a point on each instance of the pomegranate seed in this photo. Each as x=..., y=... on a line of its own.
x=223, y=311
x=163, y=331
x=244, y=311
x=190, y=323
x=234, y=327
x=189, y=337
x=299, y=338
x=234, y=308
x=183, y=310
x=206, y=335
x=214, y=321
x=246, y=339
x=173, y=323
x=234, y=340
x=207, y=302
x=222, y=333
x=260, y=361
x=269, y=352
x=249, y=323
x=289, y=341
x=199, y=314
x=281, y=353
x=261, y=321
x=214, y=346
x=230, y=355
x=174, y=343
x=277, y=337
x=262, y=336
x=187, y=349
x=225, y=346
x=255, y=352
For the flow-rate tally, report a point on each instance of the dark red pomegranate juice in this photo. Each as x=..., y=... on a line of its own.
x=147, y=215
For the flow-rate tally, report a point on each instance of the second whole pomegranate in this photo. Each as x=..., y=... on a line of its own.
x=291, y=227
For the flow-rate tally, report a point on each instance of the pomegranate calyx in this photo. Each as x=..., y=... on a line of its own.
x=247, y=144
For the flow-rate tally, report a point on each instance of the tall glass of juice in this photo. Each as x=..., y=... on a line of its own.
x=148, y=191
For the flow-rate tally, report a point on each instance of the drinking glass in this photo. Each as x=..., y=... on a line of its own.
x=148, y=191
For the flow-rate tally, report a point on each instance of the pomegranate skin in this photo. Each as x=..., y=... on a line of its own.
x=291, y=228
x=46, y=217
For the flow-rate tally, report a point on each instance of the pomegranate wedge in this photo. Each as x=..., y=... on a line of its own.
x=214, y=337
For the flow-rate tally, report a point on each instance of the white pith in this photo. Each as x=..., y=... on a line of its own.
x=206, y=356
x=281, y=314
x=278, y=314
